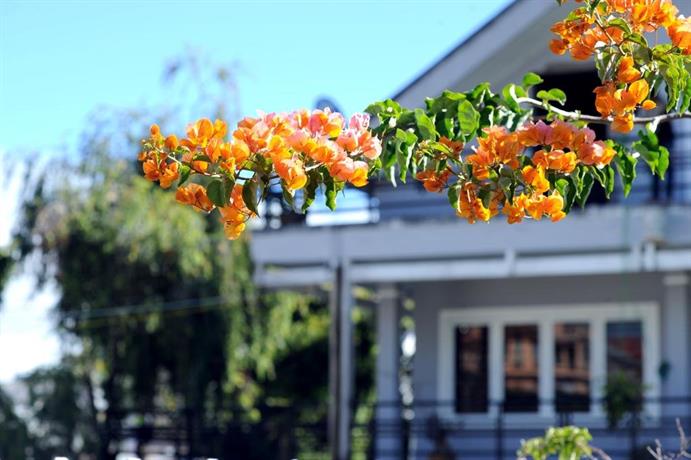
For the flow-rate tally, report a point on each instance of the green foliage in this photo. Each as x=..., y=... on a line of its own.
x=6, y=263
x=162, y=306
x=622, y=397
x=654, y=154
x=565, y=443
x=15, y=441
x=59, y=407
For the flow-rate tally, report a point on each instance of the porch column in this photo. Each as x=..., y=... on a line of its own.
x=676, y=340
x=388, y=435
x=341, y=377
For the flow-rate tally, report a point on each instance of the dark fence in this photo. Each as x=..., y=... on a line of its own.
x=423, y=430
x=434, y=430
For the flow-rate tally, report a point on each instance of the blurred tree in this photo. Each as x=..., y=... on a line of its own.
x=161, y=313
x=14, y=435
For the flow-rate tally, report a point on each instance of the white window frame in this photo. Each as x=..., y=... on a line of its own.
x=545, y=317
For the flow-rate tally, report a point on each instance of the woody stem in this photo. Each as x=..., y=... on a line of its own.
x=576, y=116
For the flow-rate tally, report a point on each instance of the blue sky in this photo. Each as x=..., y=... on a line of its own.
x=60, y=61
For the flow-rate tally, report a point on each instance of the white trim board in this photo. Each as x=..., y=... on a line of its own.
x=545, y=316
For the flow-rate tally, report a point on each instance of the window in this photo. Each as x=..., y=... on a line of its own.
x=520, y=369
x=544, y=360
x=572, y=367
x=471, y=369
x=625, y=349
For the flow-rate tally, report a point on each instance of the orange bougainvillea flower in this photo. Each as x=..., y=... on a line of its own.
x=596, y=153
x=169, y=174
x=455, y=146
x=556, y=160
x=649, y=104
x=604, y=99
x=623, y=123
x=470, y=206
x=515, y=212
x=639, y=90
x=433, y=181
x=627, y=73
x=235, y=214
x=558, y=47
x=680, y=34
x=194, y=195
x=499, y=146
x=535, y=177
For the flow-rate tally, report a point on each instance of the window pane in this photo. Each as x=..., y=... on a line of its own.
x=625, y=349
x=471, y=369
x=520, y=369
x=572, y=367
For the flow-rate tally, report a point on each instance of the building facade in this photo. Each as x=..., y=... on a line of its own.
x=517, y=327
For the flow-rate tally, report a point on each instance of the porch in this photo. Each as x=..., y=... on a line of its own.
x=422, y=259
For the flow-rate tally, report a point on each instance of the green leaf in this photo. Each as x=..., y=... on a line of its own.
x=310, y=190
x=217, y=193
x=331, y=192
x=655, y=155
x=663, y=162
x=605, y=176
x=480, y=92
x=568, y=190
x=531, y=79
x=620, y=23
x=508, y=186
x=446, y=103
x=184, y=174
x=637, y=39
x=453, y=196
x=510, y=93
x=249, y=195
x=686, y=95
x=425, y=125
x=485, y=195
x=287, y=196
x=626, y=165
x=468, y=119
x=554, y=94
x=585, y=185
x=202, y=157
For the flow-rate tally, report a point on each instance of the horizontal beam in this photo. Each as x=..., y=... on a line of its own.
x=511, y=265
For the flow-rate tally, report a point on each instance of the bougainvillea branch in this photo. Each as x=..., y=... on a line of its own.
x=488, y=151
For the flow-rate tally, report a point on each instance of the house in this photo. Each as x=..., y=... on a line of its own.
x=517, y=327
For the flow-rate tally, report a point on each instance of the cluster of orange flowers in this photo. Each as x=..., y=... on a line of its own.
x=561, y=147
x=585, y=32
x=291, y=142
x=621, y=100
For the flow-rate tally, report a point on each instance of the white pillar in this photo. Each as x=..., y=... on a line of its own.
x=387, y=418
x=676, y=339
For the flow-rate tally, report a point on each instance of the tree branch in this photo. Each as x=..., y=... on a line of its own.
x=576, y=116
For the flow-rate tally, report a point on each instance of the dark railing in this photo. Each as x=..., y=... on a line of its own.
x=421, y=431
x=434, y=430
